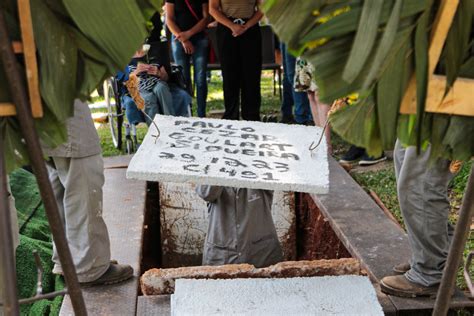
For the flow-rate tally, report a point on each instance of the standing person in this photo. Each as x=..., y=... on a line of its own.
x=422, y=188
x=241, y=228
x=298, y=98
x=187, y=20
x=76, y=173
x=239, y=42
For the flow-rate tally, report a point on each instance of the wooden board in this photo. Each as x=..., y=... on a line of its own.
x=28, y=48
x=458, y=101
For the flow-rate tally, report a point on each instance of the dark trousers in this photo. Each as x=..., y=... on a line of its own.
x=241, y=63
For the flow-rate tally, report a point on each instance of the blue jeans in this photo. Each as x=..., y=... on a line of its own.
x=287, y=103
x=301, y=101
x=133, y=114
x=199, y=58
x=181, y=101
x=158, y=100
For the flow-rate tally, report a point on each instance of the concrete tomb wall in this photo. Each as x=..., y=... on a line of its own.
x=183, y=220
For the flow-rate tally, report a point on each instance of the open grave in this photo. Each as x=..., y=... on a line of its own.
x=168, y=223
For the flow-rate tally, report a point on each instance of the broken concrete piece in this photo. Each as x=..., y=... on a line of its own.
x=329, y=295
x=243, y=154
x=162, y=281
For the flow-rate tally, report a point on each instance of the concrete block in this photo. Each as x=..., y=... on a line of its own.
x=244, y=154
x=333, y=295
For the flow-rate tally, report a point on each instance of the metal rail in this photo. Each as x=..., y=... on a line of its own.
x=25, y=119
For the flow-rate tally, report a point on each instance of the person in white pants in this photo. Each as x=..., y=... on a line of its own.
x=77, y=176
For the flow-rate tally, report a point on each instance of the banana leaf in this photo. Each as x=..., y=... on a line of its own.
x=79, y=43
x=372, y=48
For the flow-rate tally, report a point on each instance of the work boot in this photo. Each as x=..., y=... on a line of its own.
x=399, y=285
x=116, y=273
x=57, y=269
x=401, y=268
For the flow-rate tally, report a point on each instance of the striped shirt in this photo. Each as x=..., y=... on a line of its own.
x=147, y=82
x=243, y=9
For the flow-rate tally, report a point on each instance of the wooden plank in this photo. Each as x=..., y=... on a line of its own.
x=458, y=104
x=124, y=208
x=7, y=109
x=17, y=47
x=29, y=51
x=367, y=233
x=458, y=100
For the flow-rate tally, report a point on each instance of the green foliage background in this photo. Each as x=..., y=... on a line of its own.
x=79, y=43
x=371, y=48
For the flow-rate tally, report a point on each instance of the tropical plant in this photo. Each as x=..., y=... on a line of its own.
x=79, y=43
x=372, y=47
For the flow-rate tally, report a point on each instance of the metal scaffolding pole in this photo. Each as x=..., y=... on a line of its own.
x=461, y=232
x=25, y=119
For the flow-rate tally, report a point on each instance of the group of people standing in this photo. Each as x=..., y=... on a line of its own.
x=239, y=50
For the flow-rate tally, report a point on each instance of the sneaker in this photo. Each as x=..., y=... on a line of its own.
x=352, y=154
x=366, y=160
x=401, y=268
x=287, y=119
x=399, y=285
x=116, y=273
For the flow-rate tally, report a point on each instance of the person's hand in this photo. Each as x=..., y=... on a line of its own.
x=142, y=68
x=188, y=47
x=237, y=30
x=153, y=70
x=183, y=36
x=162, y=74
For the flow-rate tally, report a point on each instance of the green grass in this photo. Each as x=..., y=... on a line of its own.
x=34, y=236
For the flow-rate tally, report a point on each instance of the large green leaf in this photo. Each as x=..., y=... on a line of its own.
x=373, y=49
x=364, y=39
x=125, y=19
x=57, y=60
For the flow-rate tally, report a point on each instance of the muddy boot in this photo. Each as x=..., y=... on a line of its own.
x=399, y=285
x=116, y=273
x=401, y=268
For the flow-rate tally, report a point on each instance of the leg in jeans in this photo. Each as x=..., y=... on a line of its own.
x=422, y=193
x=133, y=114
x=181, y=101
x=77, y=184
x=158, y=100
x=250, y=46
x=200, y=43
x=182, y=59
x=229, y=55
x=287, y=103
x=302, y=109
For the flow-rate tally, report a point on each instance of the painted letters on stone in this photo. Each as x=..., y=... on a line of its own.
x=232, y=153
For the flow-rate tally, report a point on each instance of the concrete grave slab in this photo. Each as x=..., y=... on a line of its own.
x=330, y=295
x=244, y=154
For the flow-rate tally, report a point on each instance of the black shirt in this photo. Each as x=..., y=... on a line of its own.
x=183, y=16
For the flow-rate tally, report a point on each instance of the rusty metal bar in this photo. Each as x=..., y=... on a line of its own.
x=25, y=118
x=461, y=232
x=7, y=261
